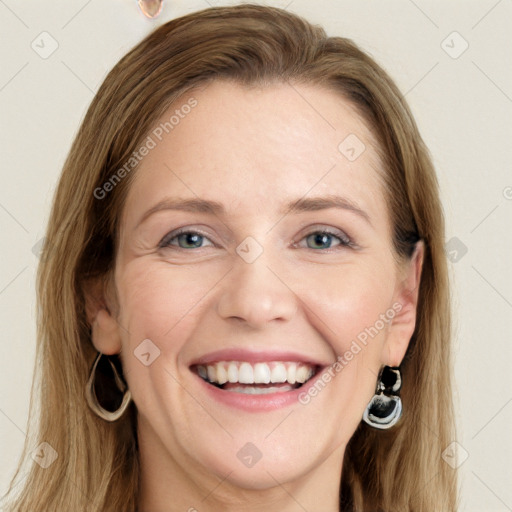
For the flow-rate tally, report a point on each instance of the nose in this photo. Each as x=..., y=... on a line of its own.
x=256, y=294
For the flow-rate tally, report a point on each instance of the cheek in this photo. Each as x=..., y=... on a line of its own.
x=348, y=302
x=346, y=308
x=159, y=302
x=343, y=306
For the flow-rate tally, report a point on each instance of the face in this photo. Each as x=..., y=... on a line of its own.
x=238, y=287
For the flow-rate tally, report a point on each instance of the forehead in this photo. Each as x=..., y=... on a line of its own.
x=257, y=147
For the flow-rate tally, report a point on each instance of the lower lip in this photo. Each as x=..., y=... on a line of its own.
x=257, y=403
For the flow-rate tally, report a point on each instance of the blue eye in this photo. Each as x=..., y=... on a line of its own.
x=187, y=239
x=325, y=237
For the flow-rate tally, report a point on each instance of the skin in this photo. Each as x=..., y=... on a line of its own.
x=253, y=150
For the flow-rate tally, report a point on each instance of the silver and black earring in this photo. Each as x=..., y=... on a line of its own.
x=106, y=391
x=385, y=408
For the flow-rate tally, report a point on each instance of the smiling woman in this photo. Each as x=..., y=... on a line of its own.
x=255, y=314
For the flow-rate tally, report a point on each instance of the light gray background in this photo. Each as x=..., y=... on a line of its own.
x=463, y=107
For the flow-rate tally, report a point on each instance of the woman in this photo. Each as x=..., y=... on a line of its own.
x=244, y=302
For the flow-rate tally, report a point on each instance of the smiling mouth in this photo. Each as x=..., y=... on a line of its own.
x=256, y=378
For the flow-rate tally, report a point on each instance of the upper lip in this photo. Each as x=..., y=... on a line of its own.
x=256, y=356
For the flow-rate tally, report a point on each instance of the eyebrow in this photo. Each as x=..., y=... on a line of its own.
x=310, y=204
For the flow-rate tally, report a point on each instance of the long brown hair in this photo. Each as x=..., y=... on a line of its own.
x=97, y=467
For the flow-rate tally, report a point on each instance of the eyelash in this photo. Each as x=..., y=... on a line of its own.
x=345, y=241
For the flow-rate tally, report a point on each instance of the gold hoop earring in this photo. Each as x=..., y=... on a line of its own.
x=115, y=401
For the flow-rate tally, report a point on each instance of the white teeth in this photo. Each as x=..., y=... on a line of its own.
x=222, y=374
x=292, y=370
x=245, y=374
x=232, y=373
x=275, y=372
x=302, y=374
x=261, y=373
x=279, y=373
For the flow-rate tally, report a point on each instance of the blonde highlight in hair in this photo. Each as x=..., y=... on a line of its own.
x=97, y=468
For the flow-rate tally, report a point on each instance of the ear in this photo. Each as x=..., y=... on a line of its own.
x=99, y=307
x=405, y=304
